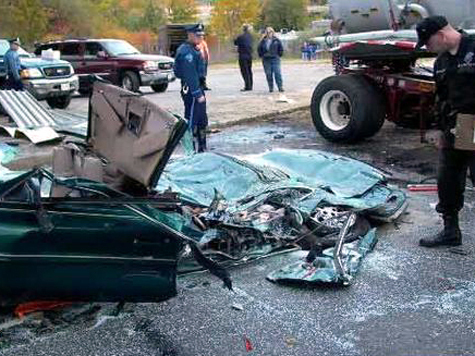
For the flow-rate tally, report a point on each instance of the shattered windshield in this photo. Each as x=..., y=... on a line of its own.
x=120, y=48
x=5, y=46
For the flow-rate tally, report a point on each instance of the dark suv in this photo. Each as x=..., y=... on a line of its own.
x=114, y=60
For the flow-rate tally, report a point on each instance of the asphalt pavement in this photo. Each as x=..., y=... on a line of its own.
x=406, y=300
x=227, y=104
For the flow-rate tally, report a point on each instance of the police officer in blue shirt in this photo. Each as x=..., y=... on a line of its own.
x=190, y=67
x=11, y=60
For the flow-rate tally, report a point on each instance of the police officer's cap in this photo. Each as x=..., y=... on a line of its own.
x=429, y=27
x=15, y=41
x=197, y=29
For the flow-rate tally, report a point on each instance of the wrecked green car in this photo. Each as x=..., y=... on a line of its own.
x=112, y=219
x=95, y=246
x=66, y=237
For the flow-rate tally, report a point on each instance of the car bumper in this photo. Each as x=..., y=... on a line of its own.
x=46, y=88
x=150, y=78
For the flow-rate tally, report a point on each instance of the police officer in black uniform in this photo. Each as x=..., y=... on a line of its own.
x=190, y=67
x=454, y=73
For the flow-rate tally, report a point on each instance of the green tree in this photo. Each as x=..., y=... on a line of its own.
x=5, y=24
x=153, y=16
x=182, y=11
x=229, y=15
x=134, y=15
x=289, y=14
x=29, y=19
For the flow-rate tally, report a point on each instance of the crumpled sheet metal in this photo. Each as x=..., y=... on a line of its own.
x=251, y=210
x=343, y=176
x=7, y=154
x=323, y=269
x=70, y=122
x=326, y=179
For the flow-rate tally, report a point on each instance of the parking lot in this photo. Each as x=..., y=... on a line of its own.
x=406, y=300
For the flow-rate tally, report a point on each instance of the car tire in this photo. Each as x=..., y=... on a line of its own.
x=59, y=102
x=159, y=88
x=347, y=108
x=130, y=81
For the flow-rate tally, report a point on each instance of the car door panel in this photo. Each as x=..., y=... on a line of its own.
x=92, y=252
x=95, y=64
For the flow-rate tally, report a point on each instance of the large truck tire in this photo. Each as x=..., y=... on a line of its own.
x=347, y=108
x=59, y=102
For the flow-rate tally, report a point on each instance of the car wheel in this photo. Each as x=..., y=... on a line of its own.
x=130, y=81
x=59, y=102
x=347, y=108
x=159, y=88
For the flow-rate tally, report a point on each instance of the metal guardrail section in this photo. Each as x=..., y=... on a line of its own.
x=25, y=110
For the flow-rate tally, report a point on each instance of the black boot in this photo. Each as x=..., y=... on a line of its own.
x=449, y=236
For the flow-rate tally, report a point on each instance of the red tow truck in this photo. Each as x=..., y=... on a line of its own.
x=374, y=81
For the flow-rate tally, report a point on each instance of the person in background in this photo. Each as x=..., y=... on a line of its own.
x=270, y=50
x=305, y=51
x=203, y=47
x=12, y=66
x=244, y=48
x=312, y=52
x=189, y=67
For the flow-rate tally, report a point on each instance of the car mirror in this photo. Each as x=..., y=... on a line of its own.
x=101, y=54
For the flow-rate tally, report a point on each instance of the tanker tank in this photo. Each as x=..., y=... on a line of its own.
x=354, y=16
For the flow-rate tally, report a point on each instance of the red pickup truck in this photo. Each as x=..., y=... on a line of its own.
x=114, y=60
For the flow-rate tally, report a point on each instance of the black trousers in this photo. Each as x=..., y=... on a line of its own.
x=13, y=84
x=452, y=176
x=246, y=71
x=197, y=117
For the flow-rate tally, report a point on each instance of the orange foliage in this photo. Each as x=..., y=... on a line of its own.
x=144, y=40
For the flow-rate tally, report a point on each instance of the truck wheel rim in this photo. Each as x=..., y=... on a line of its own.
x=127, y=83
x=335, y=110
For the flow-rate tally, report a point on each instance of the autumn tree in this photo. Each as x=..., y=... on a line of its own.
x=289, y=14
x=36, y=20
x=229, y=15
x=72, y=18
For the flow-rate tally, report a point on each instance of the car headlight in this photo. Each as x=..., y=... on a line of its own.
x=150, y=66
x=71, y=69
x=31, y=73
x=166, y=65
